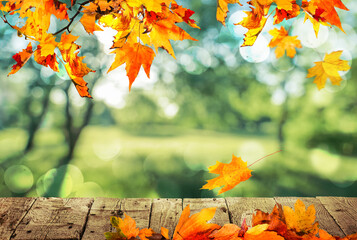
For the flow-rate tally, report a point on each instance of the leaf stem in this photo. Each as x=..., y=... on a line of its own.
x=264, y=157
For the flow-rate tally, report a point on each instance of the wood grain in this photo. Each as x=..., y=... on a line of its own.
x=344, y=212
x=165, y=213
x=99, y=218
x=243, y=208
x=139, y=209
x=12, y=211
x=54, y=218
x=324, y=218
x=197, y=204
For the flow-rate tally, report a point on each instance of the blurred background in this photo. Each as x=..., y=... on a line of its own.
x=216, y=99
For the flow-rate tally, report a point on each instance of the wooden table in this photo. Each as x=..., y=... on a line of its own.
x=88, y=218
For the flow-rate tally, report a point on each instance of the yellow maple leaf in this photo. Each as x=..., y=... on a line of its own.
x=230, y=174
x=255, y=20
x=222, y=9
x=328, y=68
x=283, y=42
x=301, y=220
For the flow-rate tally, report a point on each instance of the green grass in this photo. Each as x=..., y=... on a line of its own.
x=172, y=162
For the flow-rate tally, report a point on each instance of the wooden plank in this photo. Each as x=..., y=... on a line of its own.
x=165, y=213
x=139, y=209
x=54, y=218
x=243, y=208
x=343, y=210
x=324, y=218
x=12, y=211
x=197, y=204
x=99, y=217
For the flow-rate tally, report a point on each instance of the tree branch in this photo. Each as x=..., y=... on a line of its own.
x=72, y=18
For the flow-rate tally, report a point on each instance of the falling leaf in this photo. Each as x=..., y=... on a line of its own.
x=283, y=42
x=328, y=69
x=196, y=226
x=230, y=174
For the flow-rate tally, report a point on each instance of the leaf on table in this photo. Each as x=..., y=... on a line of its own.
x=145, y=233
x=328, y=69
x=230, y=174
x=125, y=228
x=165, y=232
x=259, y=232
x=275, y=219
x=196, y=226
x=21, y=58
x=284, y=43
x=227, y=232
x=301, y=220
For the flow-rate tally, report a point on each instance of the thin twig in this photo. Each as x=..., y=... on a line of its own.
x=72, y=18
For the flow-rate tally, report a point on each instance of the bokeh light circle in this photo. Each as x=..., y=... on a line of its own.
x=306, y=33
x=18, y=178
x=106, y=150
x=195, y=60
x=259, y=52
x=46, y=181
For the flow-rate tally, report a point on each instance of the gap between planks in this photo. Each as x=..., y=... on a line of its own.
x=155, y=213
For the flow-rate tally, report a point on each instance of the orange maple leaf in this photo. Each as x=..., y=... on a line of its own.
x=259, y=232
x=196, y=226
x=302, y=221
x=134, y=55
x=49, y=60
x=230, y=174
x=282, y=14
x=324, y=11
x=283, y=42
x=227, y=232
x=328, y=68
x=21, y=58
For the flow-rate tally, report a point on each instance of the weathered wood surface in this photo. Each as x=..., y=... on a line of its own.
x=87, y=218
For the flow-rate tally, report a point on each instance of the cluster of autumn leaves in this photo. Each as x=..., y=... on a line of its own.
x=141, y=26
x=144, y=26
x=318, y=12
x=282, y=223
